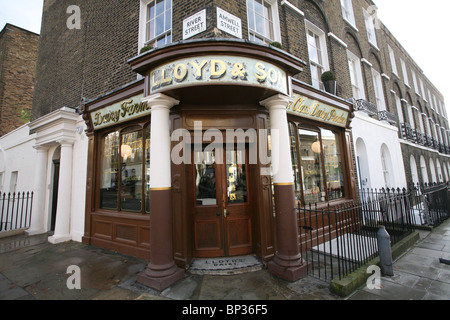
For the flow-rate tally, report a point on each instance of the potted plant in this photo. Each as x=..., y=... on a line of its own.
x=276, y=45
x=329, y=81
x=145, y=49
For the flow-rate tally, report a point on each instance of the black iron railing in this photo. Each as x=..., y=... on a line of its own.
x=338, y=239
x=15, y=210
x=431, y=203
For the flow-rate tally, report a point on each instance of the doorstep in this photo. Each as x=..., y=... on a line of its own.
x=225, y=265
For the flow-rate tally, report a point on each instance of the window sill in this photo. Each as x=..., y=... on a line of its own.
x=351, y=24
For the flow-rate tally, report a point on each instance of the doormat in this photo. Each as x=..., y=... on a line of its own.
x=226, y=266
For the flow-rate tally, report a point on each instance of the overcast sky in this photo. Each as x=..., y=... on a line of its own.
x=422, y=30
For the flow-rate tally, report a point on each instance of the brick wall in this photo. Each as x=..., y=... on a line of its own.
x=88, y=62
x=18, y=55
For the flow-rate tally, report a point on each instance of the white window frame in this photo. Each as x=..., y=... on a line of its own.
x=323, y=65
x=422, y=88
x=416, y=86
x=357, y=81
x=254, y=35
x=431, y=99
x=347, y=12
x=143, y=21
x=393, y=61
x=398, y=104
x=370, y=28
x=379, y=92
x=405, y=72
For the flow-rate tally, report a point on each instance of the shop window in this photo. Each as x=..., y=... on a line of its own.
x=263, y=21
x=158, y=22
x=318, y=56
x=125, y=170
x=317, y=165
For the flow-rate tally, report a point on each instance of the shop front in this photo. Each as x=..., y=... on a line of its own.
x=204, y=157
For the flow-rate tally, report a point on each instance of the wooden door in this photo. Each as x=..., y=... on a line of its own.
x=222, y=203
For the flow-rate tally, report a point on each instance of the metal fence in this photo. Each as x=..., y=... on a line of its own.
x=336, y=240
x=15, y=210
x=431, y=203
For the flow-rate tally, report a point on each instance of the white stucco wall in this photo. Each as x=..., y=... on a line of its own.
x=18, y=153
x=374, y=134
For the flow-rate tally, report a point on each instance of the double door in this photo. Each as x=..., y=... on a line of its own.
x=222, y=202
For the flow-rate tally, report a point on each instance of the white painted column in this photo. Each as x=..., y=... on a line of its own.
x=63, y=213
x=160, y=162
x=39, y=192
x=161, y=271
x=279, y=130
x=287, y=262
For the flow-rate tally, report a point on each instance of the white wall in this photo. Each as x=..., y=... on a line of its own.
x=17, y=153
x=374, y=134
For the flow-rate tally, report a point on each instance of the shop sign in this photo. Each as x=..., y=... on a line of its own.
x=229, y=23
x=315, y=110
x=218, y=69
x=194, y=25
x=122, y=111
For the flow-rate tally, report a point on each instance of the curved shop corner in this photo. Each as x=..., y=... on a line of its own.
x=184, y=159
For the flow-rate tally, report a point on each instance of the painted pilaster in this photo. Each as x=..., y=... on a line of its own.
x=63, y=213
x=40, y=178
x=287, y=263
x=161, y=271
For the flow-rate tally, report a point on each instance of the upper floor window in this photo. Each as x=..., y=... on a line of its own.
x=370, y=27
x=393, y=62
x=318, y=56
x=263, y=21
x=378, y=88
x=405, y=72
x=354, y=66
x=416, y=86
x=158, y=23
x=347, y=11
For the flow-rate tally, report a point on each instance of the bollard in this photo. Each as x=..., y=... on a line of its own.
x=384, y=249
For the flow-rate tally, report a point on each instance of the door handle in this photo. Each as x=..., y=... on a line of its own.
x=218, y=214
x=225, y=213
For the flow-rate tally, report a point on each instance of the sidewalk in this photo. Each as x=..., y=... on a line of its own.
x=31, y=268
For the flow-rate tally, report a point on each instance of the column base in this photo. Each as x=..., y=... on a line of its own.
x=55, y=239
x=153, y=280
x=289, y=269
x=34, y=232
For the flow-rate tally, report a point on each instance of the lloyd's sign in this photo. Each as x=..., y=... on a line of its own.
x=315, y=110
x=220, y=70
x=122, y=111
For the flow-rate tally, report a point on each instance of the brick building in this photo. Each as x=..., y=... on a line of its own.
x=18, y=55
x=129, y=142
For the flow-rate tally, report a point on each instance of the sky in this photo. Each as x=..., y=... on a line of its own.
x=422, y=30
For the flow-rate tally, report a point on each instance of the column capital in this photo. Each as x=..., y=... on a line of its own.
x=40, y=148
x=276, y=101
x=160, y=100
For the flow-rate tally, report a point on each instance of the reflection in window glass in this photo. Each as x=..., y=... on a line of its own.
x=311, y=166
x=236, y=177
x=147, y=170
x=333, y=165
x=205, y=178
x=131, y=166
x=109, y=171
x=295, y=166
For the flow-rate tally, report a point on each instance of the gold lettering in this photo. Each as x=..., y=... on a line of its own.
x=218, y=69
x=261, y=74
x=165, y=81
x=180, y=77
x=155, y=84
x=273, y=76
x=199, y=69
